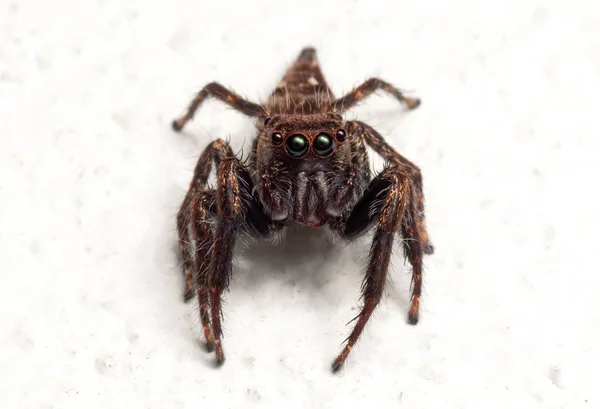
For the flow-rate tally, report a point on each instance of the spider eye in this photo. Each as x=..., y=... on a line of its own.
x=267, y=120
x=323, y=144
x=297, y=145
x=276, y=138
x=341, y=135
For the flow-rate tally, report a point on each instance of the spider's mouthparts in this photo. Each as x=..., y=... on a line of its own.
x=315, y=223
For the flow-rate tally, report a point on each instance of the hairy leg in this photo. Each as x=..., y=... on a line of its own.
x=376, y=141
x=195, y=238
x=218, y=91
x=200, y=211
x=229, y=205
x=386, y=203
x=413, y=251
x=366, y=89
x=186, y=249
x=373, y=286
x=208, y=251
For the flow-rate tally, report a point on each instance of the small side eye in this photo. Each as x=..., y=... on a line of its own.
x=297, y=145
x=276, y=138
x=340, y=135
x=323, y=144
x=267, y=120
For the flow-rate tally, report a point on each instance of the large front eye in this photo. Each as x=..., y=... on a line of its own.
x=297, y=145
x=323, y=144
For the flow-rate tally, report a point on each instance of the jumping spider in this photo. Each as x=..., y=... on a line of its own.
x=310, y=166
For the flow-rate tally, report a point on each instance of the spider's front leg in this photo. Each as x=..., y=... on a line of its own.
x=216, y=90
x=366, y=89
x=231, y=204
x=388, y=202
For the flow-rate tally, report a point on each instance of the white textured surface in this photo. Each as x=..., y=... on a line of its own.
x=91, y=176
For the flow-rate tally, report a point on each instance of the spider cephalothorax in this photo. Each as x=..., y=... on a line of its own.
x=298, y=158
x=308, y=166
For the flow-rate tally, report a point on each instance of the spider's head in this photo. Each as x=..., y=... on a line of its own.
x=302, y=143
x=298, y=158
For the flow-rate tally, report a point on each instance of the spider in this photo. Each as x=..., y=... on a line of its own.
x=310, y=166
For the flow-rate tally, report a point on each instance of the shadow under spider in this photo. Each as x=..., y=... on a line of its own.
x=305, y=256
x=311, y=259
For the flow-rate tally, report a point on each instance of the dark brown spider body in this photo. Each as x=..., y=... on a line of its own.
x=308, y=166
x=302, y=90
x=300, y=106
x=299, y=187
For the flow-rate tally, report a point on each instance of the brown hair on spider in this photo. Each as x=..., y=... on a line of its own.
x=308, y=166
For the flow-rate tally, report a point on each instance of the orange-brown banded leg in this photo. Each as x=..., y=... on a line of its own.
x=218, y=91
x=391, y=191
x=376, y=141
x=366, y=89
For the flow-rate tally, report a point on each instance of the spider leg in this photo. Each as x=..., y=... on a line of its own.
x=218, y=280
x=366, y=89
x=186, y=249
x=195, y=239
x=218, y=91
x=231, y=204
x=188, y=213
x=386, y=202
x=413, y=250
x=232, y=178
x=386, y=151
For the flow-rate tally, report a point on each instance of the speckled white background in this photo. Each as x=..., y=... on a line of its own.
x=91, y=176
